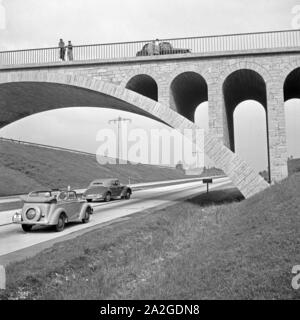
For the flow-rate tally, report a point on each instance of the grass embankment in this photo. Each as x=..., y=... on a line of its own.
x=24, y=168
x=293, y=166
x=193, y=250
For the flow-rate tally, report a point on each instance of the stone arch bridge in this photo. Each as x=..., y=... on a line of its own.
x=225, y=71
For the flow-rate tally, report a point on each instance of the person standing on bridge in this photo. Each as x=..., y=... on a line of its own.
x=70, y=51
x=156, y=47
x=153, y=47
x=62, y=49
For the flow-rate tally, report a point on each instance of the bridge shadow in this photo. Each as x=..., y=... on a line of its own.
x=217, y=197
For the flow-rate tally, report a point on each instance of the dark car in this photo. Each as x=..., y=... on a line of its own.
x=106, y=189
x=163, y=48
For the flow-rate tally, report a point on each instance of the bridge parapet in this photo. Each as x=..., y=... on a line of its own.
x=230, y=43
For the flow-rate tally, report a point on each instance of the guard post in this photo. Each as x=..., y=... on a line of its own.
x=208, y=182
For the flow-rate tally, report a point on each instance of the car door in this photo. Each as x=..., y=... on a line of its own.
x=118, y=188
x=114, y=188
x=73, y=205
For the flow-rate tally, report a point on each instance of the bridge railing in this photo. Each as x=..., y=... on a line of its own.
x=122, y=50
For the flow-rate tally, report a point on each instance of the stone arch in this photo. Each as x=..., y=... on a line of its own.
x=91, y=90
x=187, y=90
x=144, y=85
x=291, y=87
x=142, y=70
x=287, y=68
x=182, y=68
x=203, y=71
x=291, y=91
x=264, y=73
x=239, y=86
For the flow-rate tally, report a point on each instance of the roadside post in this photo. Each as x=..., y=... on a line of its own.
x=208, y=182
x=2, y=278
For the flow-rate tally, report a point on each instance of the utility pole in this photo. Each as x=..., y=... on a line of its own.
x=119, y=121
x=196, y=153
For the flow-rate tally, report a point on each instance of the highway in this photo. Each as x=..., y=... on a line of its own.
x=13, y=239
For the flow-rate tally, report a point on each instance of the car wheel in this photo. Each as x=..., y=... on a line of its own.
x=27, y=227
x=128, y=195
x=87, y=215
x=61, y=223
x=107, y=197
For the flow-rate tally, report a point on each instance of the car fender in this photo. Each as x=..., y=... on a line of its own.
x=108, y=190
x=83, y=209
x=55, y=215
x=124, y=191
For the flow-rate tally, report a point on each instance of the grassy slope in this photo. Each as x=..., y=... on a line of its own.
x=24, y=168
x=192, y=250
x=293, y=166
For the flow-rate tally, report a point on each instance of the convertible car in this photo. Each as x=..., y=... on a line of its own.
x=52, y=208
x=106, y=189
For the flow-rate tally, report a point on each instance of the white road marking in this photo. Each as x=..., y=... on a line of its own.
x=12, y=238
x=10, y=199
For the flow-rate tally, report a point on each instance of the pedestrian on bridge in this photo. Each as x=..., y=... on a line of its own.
x=153, y=48
x=156, y=47
x=62, y=49
x=70, y=51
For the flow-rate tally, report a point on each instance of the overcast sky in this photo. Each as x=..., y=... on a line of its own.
x=40, y=23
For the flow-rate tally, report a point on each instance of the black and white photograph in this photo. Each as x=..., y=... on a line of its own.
x=149, y=154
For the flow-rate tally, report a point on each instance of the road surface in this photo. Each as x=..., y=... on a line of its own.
x=13, y=238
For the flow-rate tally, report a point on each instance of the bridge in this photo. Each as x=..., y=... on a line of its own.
x=168, y=86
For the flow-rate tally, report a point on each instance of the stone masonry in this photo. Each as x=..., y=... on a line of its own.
x=242, y=176
x=273, y=66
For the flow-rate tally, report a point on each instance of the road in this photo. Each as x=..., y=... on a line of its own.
x=13, y=239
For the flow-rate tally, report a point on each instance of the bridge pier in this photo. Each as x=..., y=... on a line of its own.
x=217, y=119
x=223, y=98
x=163, y=93
x=277, y=141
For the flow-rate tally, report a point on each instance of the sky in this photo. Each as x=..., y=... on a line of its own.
x=40, y=23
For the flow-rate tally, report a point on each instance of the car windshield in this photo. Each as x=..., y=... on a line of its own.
x=72, y=195
x=40, y=194
x=97, y=183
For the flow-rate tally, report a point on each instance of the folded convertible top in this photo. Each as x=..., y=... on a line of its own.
x=28, y=199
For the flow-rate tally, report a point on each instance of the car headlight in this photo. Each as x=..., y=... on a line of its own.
x=30, y=214
x=17, y=217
